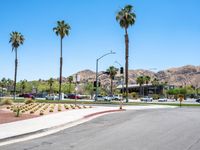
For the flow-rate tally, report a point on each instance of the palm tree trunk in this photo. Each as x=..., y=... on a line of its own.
x=70, y=88
x=15, y=77
x=50, y=92
x=126, y=63
x=111, y=86
x=61, y=62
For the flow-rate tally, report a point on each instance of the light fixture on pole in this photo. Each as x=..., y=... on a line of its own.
x=97, y=61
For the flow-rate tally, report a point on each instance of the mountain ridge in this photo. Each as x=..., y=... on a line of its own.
x=178, y=76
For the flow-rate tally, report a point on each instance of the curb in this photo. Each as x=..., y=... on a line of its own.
x=103, y=112
x=75, y=122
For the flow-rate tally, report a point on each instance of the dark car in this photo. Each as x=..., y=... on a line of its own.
x=73, y=96
x=27, y=96
x=198, y=100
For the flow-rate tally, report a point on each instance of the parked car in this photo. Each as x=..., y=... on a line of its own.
x=108, y=98
x=27, y=96
x=52, y=97
x=99, y=98
x=198, y=100
x=146, y=99
x=74, y=96
x=117, y=97
x=163, y=99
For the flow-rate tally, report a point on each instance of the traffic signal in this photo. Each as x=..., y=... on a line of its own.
x=121, y=70
x=95, y=84
x=99, y=84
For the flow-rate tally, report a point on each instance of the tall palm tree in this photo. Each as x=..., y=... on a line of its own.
x=62, y=29
x=155, y=83
x=112, y=71
x=147, y=80
x=70, y=79
x=140, y=80
x=16, y=39
x=126, y=17
x=50, y=82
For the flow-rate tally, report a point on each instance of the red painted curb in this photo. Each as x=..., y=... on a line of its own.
x=103, y=112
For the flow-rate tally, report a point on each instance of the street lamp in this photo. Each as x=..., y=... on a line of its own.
x=122, y=82
x=97, y=61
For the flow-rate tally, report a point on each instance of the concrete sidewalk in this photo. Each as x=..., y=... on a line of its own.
x=44, y=123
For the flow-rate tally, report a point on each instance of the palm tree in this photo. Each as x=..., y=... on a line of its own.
x=62, y=29
x=147, y=80
x=50, y=82
x=112, y=71
x=70, y=79
x=140, y=80
x=155, y=83
x=126, y=17
x=16, y=39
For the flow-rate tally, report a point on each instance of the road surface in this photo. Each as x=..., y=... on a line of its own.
x=161, y=129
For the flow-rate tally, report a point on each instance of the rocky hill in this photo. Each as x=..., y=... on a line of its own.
x=186, y=75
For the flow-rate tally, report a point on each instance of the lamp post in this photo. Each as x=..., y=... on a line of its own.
x=97, y=61
x=77, y=80
x=122, y=82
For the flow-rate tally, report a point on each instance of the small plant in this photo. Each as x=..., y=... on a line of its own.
x=41, y=112
x=59, y=107
x=17, y=111
x=29, y=101
x=6, y=102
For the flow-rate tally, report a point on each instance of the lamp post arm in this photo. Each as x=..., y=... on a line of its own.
x=105, y=55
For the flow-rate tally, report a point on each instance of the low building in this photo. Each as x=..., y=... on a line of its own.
x=145, y=89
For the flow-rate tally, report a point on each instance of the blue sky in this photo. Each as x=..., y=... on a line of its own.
x=166, y=34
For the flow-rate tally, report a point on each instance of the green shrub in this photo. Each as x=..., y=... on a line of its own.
x=6, y=102
x=156, y=96
x=29, y=101
x=134, y=95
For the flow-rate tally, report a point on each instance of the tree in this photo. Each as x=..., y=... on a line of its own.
x=3, y=84
x=126, y=17
x=112, y=71
x=140, y=80
x=147, y=80
x=23, y=85
x=62, y=29
x=16, y=39
x=50, y=82
x=70, y=79
x=9, y=85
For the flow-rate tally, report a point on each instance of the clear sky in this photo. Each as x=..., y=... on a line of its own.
x=166, y=34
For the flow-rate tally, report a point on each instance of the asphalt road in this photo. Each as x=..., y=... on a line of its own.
x=163, y=129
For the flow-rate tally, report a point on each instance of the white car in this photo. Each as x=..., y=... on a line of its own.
x=108, y=98
x=99, y=98
x=162, y=100
x=117, y=97
x=52, y=97
x=146, y=99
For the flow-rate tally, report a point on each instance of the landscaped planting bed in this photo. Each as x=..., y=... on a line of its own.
x=43, y=108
